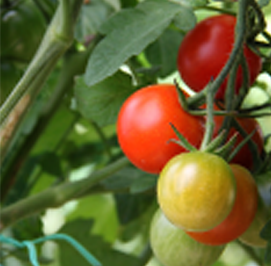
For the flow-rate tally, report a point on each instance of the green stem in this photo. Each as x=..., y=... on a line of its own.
x=73, y=65
x=217, y=9
x=56, y=196
x=209, y=129
x=240, y=30
x=259, y=27
x=56, y=41
x=103, y=138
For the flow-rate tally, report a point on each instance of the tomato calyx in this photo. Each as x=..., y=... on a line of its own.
x=227, y=141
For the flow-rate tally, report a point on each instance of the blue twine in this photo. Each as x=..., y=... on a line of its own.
x=30, y=245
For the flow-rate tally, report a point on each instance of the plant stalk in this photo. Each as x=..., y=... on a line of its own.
x=56, y=196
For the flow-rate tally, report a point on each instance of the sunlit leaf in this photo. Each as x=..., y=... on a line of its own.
x=102, y=101
x=144, y=25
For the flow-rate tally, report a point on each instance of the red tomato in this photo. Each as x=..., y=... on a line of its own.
x=241, y=215
x=205, y=50
x=144, y=130
x=245, y=156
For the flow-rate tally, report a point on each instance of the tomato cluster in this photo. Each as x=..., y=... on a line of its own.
x=205, y=201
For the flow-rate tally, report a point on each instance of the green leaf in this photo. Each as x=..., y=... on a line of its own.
x=267, y=256
x=263, y=3
x=186, y=19
x=101, y=102
x=130, y=206
x=91, y=17
x=28, y=229
x=164, y=51
x=117, y=20
x=80, y=230
x=148, y=20
x=128, y=3
x=106, y=222
x=266, y=231
x=143, y=184
x=130, y=179
x=51, y=164
x=192, y=3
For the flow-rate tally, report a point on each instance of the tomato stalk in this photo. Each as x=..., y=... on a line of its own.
x=57, y=196
x=209, y=130
x=73, y=65
x=56, y=41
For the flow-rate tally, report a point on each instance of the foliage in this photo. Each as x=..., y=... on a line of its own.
x=62, y=169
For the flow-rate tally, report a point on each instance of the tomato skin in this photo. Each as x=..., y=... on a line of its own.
x=144, y=130
x=205, y=50
x=196, y=190
x=245, y=156
x=172, y=247
x=22, y=29
x=241, y=215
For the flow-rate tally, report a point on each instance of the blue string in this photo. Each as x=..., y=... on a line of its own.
x=32, y=252
x=30, y=245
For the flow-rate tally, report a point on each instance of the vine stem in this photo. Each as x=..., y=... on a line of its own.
x=56, y=196
x=240, y=35
x=73, y=64
x=56, y=41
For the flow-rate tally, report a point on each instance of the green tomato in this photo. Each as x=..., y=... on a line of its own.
x=173, y=247
x=22, y=29
x=196, y=190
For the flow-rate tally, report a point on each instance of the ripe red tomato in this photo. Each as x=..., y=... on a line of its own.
x=241, y=215
x=245, y=156
x=205, y=50
x=144, y=130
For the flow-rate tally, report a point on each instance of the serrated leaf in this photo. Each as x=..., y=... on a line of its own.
x=164, y=51
x=102, y=101
x=130, y=38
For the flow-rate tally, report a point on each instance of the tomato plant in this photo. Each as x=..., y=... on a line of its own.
x=196, y=190
x=144, y=127
x=205, y=50
x=173, y=247
x=83, y=148
x=244, y=210
x=15, y=43
x=244, y=156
